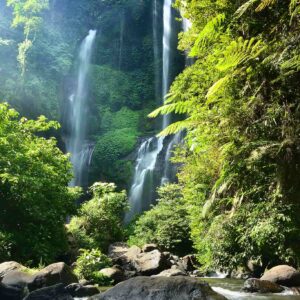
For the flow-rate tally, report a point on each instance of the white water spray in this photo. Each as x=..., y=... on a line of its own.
x=81, y=151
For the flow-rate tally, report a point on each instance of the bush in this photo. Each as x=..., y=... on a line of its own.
x=166, y=224
x=34, y=196
x=110, y=149
x=99, y=221
x=88, y=265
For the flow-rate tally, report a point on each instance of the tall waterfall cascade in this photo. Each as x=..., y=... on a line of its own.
x=81, y=151
x=152, y=165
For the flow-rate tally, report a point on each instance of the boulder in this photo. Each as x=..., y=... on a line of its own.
x=149, y=247
x=160, y=288
x=283, y=275
x=54, y=292
x=174, y=271
x=117, y=250
x=189, y=263
x=150, y=263
x=18, y=279
x=254, y=285
x=115, y=273
x=78, y=290
x=53, y=274
x=9, y=266
x=125, y=259
x=11, y=292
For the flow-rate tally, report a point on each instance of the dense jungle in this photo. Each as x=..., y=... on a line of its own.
x=149, y=143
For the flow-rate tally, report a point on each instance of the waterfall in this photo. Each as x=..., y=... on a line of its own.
x=81, y=151
x=148, y=170
x=167, y=31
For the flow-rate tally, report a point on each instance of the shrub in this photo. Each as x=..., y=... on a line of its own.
x=166, y=224
x=99, y=221
x=88, y=265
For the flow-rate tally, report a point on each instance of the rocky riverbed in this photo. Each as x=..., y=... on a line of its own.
x=144, y=273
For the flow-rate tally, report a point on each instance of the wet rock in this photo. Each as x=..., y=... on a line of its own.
x=160, y=288
x=116, y=274
x=78, y=290
x=283, y=275
x=9, y=266
x=254, y=285
x=149, y=247
x=54, y=292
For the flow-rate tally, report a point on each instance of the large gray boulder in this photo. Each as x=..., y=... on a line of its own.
x=150, y=263
x=53, y=274
x=283, y=275
x=17, y=279
x=9, y=266
x=114, y=273
x=160, y=288
x=254, y=285
x=54, y=292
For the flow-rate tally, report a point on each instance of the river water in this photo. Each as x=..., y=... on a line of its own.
x=231, y=289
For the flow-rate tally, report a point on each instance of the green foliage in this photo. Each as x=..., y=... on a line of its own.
x=239, y=99
x=165, y=224
x=110, y=149
x=99, y=221
x=88, y=265
x=35, y=199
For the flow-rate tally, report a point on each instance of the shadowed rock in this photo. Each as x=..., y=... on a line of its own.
x=160, y=288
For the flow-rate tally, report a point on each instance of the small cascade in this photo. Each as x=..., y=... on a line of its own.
x=80, y=150
x=149, y=169
x=141, y=192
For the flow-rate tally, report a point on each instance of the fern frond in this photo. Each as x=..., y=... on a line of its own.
x=208, y=33
x=243, y=8
x=292, y=64
x=180, y=107
x=216, y=87
x=240, y=51
x=264, y=4
x=176, y=127
x=294, y=8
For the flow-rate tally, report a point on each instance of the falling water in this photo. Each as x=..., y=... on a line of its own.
x=167, y=19
x=148, y=168
x=81, y=151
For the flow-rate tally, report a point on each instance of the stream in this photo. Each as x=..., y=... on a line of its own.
x=231, y=289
